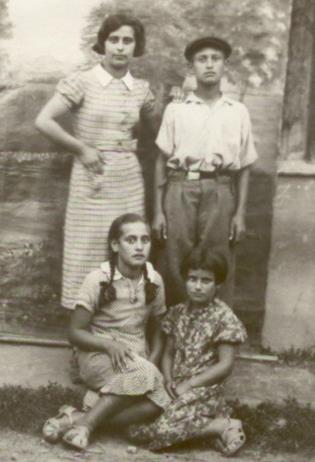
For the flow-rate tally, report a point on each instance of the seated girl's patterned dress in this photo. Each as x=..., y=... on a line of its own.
x=124, y=320
x=197, y=334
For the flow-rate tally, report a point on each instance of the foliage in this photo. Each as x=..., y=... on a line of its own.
x=25, y=409
x=257, y=31
x=5, y=33
x=280, y=427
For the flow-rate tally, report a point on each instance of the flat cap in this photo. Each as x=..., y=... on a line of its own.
x=212, y=42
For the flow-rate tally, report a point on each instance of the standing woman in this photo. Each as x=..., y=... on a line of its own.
x=106, y=181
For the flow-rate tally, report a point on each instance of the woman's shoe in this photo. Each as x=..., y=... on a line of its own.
x=53, y=429
x=232, y=438
x=77, y=436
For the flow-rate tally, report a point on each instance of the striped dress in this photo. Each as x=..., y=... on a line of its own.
x=105, y=113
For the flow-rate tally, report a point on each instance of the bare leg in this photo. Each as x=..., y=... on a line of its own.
x=215, y=427
x=106, y=407
x=140, y=412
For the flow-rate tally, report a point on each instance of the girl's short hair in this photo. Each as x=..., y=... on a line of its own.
x=213, y=261
x=114, y=22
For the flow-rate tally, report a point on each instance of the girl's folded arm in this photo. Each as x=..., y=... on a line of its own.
x=156, y=343
x=79, y=334
x=168, y=358
x=167, y=366
x=219, y=371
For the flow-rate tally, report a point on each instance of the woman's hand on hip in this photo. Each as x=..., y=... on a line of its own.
x=91, y=159
x=119, y=355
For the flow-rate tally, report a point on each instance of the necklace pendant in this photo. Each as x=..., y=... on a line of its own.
x=133, y=299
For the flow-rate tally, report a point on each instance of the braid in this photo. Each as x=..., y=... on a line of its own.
x=150, y=288
x=108, y=291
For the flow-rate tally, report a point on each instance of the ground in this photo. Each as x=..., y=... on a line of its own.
x=265, y=382
x=18, y=447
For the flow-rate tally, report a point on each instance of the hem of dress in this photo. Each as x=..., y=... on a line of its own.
x=106, y=390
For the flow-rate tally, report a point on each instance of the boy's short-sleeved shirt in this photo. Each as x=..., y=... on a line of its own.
x=121, y=315
x=196, y=137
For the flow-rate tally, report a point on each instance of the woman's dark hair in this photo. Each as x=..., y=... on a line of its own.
x=214, y=261
x=108, y=291
x=114, y=22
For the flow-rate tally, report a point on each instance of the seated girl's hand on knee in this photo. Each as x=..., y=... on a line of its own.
x=170, y=388
x=183, y=388
x=120, y=355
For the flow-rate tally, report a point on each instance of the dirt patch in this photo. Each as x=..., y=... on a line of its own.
x=24, y=448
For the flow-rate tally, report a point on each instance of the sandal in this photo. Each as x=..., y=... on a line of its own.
x=232, y=439
x=77, y=436
x=52, y=429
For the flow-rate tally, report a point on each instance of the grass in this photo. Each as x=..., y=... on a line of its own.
x=288, y=427
x=293, y=356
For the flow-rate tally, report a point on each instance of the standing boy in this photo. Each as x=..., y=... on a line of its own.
x=202, y=172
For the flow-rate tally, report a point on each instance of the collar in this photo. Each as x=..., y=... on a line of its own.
x=105, y=77
x=193, y=98
x=215, y=303
x=105, y=267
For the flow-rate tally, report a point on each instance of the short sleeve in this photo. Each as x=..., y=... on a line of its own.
x=89, y=292
x=169, y=320
x=230, y=328
x=248, y=153
x=148, y=103
x=166, y=135
x=158, y=304
x=71, y=90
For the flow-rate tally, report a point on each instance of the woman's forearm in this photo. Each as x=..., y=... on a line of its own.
x=211, y=376
x=219, y=371
x=46, y=123
x=58, y=135
x=85, y=340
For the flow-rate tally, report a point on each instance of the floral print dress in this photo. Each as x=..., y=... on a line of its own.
x=196, y=334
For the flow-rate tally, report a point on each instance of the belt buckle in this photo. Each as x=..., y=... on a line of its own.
x=192, y=175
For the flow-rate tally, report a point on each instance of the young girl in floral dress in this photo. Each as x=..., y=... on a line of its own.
x=202, y=335
x=116, y=305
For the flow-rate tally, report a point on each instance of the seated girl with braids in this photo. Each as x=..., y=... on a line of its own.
x=116, y=305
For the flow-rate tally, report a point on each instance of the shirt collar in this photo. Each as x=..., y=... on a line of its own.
x=105, y=77
x=105, y=267
x=193, y=98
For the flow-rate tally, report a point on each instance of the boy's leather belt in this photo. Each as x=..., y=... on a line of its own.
x=191, y=175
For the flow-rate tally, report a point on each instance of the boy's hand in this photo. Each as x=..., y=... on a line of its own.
x=119, y=355
x=159, y=226
x=237, y=228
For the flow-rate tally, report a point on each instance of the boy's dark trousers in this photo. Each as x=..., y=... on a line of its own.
x=198, y=213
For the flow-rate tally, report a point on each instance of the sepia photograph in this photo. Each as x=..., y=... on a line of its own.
x=157, y=230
